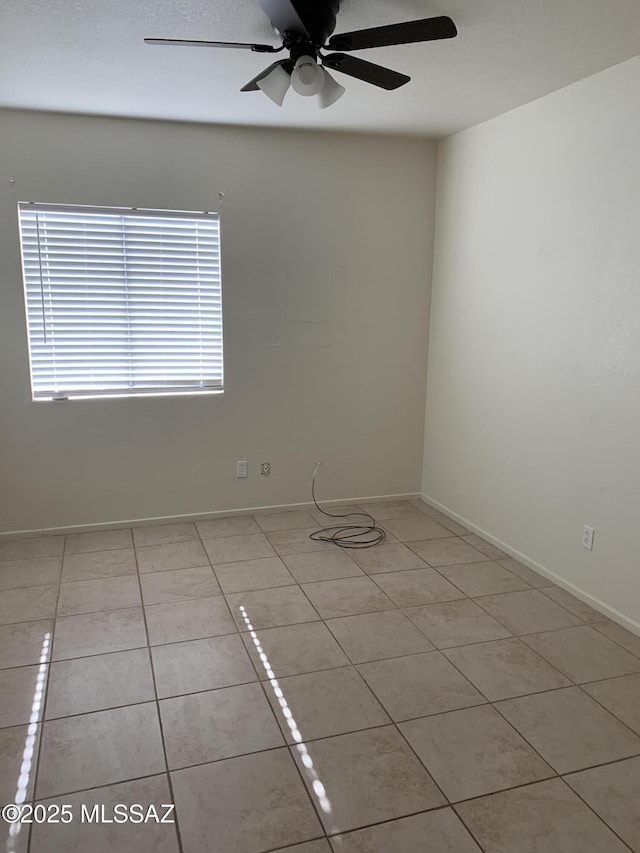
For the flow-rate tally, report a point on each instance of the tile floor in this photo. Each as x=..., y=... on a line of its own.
x=428, y=694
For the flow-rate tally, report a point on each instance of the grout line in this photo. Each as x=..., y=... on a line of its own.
x=590, y=807
x=594, y=625
x=468, y=828
x=102, y=785
x=157, y=704
x=608, y=710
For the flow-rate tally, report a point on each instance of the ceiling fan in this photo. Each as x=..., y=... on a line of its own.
x=306, y=27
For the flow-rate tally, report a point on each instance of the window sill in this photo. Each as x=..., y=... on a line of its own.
x=124, y=396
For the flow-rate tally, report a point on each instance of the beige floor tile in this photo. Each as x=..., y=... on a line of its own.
x=569, y=729
x=37, y=572
x=331, y=702
x=19, y=842
x=474, y=752
x=31, y=548
x=99, y=633
x=99, y=682
x=104, y=594
x=165, y=534
x=79, y=837
x=232, y=549
x=99, y=564
x=384, y=510
x=446, y=552
x=583, y=654
x=505, y=668
x=200, y=665
x=268, y=608
x=188, y=620
x=451, y=525
x=613, y=792
x=16, y=770
x=320, y=846
x=175, y=555
x=28, y=604
x=541, y=818
x=179, y=585
x=387, y=558
x=456, y=623
x=98, y=540
x=346, y=597
x=247, y=804
x=424, y=508
x=524, y=572
x=621, y=696
x=419, y=527
x=321, y=566
x=419, y=685
x=17, y=689
x=99, y=749
x=370, y=776
x=620, y=635
x=338, y=510
x=298, y=542
x=289, y=520
x=484, y=547
x=573, y=604
x=295, y=649
x=374, y=636
x=486, y=578
x=252, y=574
x=23, y=643
x=238, y=525
x=444, y=830
x=419, y=586
x=527, y=612
x=223, y=723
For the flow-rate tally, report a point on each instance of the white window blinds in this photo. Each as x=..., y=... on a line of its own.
x=121, y=301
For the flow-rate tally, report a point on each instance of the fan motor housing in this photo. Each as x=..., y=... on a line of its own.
x=319, y=17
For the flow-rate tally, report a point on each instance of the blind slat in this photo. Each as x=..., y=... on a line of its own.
x=121, y=301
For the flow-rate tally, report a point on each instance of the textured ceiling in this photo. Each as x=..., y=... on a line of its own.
x=88, y=56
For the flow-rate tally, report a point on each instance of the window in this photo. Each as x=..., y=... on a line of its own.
x=121, y=301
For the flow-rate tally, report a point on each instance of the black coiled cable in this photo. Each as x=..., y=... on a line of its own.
x=346, y=535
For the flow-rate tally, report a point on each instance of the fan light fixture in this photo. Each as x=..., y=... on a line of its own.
x=330, y=92
x=275, y=85
x=307, y=79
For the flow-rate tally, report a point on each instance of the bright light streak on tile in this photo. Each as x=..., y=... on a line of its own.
x=29, y=744
x=317, y=786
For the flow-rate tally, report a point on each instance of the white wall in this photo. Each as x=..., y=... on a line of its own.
x=327, y=244
x=533, y=392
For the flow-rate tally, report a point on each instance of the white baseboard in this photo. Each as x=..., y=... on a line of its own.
x=596, y=603
x=201, y=516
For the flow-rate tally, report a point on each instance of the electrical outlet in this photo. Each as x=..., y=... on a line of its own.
x=265, y=469
x=587, y=538
x=241, y=469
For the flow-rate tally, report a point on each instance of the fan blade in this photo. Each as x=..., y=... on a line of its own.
x=284, y=16
x=428, y=29
x=367, y=71
x=252, y=85
x=257, y=48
